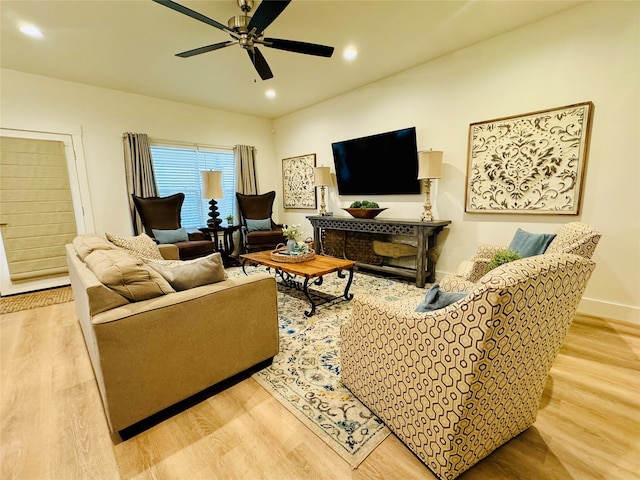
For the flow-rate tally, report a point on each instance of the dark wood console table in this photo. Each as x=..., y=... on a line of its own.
x=426, y=233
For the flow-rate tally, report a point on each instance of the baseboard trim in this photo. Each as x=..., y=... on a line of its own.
x=615, y=311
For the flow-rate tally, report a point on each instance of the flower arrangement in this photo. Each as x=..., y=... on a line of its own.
x=292, y=232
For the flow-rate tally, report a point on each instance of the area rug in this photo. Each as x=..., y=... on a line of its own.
x=42, y=298
x=305, y=375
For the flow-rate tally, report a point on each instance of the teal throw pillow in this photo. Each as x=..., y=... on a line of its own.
x=255, y=225
x=436, y=299
x=171, y=236
x=529, y=244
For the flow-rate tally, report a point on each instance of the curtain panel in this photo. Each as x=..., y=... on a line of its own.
x=246, y=162
x=141, y=180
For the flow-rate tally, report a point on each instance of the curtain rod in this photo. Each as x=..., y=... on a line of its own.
x=181, y=143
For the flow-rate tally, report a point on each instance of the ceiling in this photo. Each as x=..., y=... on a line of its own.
x=130, y=45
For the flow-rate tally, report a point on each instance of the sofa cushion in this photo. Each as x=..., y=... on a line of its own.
x=86, y=243
x=127, y=275
x=436, y=299
x=183, y=275
x=171, y=236
x=141, y=246
x=530, y=244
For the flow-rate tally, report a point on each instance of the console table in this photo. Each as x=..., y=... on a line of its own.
x=426, y=233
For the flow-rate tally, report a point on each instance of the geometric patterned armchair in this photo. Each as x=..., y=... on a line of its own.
x=163, y=213
x=456, y=383
x=573, y=237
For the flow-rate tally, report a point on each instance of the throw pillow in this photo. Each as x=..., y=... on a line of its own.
x=255, y=225
x=436, y=299
x=84, y=244
x=171, y=236
x=141, y=246
x=529, y=244
x=192, y=273
x=127, y=275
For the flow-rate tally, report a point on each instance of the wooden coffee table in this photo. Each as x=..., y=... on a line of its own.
x=313, y=269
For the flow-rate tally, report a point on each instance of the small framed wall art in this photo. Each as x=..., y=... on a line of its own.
x=531, y=164
x=298, y=182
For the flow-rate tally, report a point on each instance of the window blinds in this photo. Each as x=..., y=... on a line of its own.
x=36, y=208
x=177, y=169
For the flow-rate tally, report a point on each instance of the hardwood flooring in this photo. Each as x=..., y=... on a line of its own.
x=52, y=425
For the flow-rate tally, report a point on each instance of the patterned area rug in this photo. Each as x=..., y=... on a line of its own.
x=305, y=375
x=42, y=298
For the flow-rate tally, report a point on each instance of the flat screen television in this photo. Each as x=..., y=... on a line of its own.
x=382, y=164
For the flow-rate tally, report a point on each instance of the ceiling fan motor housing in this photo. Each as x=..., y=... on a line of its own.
x=239, y=23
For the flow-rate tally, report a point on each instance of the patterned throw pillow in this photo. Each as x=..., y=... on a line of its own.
x=141, y=246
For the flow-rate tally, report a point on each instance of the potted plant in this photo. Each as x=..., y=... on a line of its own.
x=229, y=219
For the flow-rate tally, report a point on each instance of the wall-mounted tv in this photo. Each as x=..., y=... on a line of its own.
x=382, y=164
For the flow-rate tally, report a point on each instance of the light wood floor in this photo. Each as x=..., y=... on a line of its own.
x=53, y=426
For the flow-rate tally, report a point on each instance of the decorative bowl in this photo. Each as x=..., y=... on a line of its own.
x=364, y=212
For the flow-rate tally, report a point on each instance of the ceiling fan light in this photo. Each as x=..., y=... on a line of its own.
x=270, y=93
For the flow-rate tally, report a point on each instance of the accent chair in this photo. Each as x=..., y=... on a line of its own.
x=259, y=231
x=456, y=383
x=163, y=213
x=573, y=237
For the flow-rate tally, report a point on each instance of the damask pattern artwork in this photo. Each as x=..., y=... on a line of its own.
x=532, y=163
x=457, y=383
x=298, y=182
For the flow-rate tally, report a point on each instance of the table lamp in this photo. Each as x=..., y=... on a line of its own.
x=212, y=188
x=322, y=176
x=429, y=167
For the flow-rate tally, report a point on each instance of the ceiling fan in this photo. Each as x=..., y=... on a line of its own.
x=248, y=32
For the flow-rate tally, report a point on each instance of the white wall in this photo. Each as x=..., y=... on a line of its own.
x=589, y=53
x=33, y=102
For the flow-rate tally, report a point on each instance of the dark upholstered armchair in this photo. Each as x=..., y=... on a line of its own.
x=163, y=213
x=259, y=231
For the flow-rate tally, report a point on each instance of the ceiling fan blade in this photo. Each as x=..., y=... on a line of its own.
x=261, y=65
x=266, y=13
x=298, y=47
x=198, y=16
x=208, y=48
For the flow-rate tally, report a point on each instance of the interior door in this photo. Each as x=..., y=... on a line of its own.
x=34, y=224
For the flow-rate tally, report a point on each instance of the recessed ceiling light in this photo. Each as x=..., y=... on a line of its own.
x=350, y=53
x=31, y=31
x=270, y=93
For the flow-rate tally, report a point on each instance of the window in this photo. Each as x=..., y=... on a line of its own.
x=177, y=169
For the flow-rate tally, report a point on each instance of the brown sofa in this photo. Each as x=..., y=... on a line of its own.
x=152, y=353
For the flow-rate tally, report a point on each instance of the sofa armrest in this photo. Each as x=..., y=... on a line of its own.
x=169, y=251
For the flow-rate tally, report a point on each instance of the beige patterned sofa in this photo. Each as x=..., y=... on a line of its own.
x=574, y=237
x=456, y=383
x=152, y=345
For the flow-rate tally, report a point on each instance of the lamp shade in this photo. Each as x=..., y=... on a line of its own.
x=430, y=164
x=322, y=176
x=212, y=184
